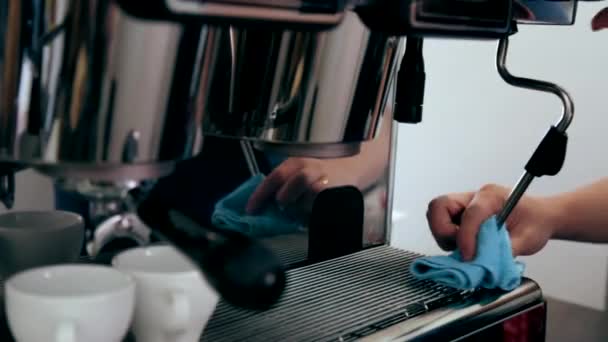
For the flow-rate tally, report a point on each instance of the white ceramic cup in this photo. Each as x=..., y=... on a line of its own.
x=38, y=238
x=174, y=301
x=70, y=303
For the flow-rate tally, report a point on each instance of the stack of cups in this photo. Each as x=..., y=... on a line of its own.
x=154, y=292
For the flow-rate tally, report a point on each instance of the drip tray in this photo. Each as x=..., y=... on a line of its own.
x=369, y=295
x=291, y=249
x=364, y=294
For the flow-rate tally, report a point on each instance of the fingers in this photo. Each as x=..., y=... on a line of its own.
x=271, y=184
x=305, y=180
x=442, y=214
x=443, y=229
x=289, y=182
x=486, y=203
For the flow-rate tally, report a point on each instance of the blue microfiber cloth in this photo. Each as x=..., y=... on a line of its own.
x=230, y=213
x=493, y=267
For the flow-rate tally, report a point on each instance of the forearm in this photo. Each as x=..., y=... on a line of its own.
x=582, y=215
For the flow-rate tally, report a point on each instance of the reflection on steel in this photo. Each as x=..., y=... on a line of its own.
x=120, y=226
x=297, y=92
x=90, y=87
x=325, y=13
x=250, y=158
x=84, y=85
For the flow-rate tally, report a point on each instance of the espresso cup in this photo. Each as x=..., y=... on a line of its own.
x=70, y=303
x=38, y=238
x=173, y=300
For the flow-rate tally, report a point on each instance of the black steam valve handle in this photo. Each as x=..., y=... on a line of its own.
x=410, y=83
x=549, y=156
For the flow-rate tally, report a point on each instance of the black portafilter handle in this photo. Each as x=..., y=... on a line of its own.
x=243, y=271
x=411, y=81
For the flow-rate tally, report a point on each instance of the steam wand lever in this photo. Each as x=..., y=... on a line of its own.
x=411, y=81
x=549, y=156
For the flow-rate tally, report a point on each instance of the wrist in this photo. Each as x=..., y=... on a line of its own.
x=557, y=221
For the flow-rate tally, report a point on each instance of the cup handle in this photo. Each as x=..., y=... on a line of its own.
x=66, y=332
x=179, y=311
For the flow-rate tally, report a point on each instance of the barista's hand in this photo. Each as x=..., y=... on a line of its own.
x=455, y=220
x=298, y=181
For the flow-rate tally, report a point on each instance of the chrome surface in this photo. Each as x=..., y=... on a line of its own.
x=86, y=86
x=359, y=295
x=301, y=88
x=567, y=104
x=545, y=12
x=90, y=92
x=250, y=158
x=112, y=215
x=390, y=186
x=562, y=125
x=477, y=19
x=285, y=11
x=97, y=191
x=122, y=226
x=516, y=194
x=106, y=174
x=321, y=150
x=477, y=311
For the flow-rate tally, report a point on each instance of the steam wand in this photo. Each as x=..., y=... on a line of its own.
x=549, y=156
x=7, y=189
x=7, y=182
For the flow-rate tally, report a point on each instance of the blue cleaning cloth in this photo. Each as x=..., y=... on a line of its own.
x=493, y=267
x=230, y=213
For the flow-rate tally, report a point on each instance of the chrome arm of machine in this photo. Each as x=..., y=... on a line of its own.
x=549, y=157
x=103, y=95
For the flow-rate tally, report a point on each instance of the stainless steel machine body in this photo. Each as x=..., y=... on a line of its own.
x=94, y=92
x=302, y=93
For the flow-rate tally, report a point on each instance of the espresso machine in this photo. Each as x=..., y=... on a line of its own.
x=108, y=97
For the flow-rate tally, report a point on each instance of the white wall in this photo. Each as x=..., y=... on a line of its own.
x=477, y=129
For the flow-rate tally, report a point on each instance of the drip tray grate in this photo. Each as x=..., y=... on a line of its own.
x=340, y=299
